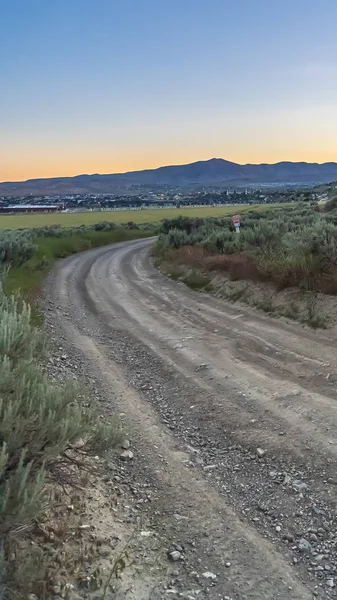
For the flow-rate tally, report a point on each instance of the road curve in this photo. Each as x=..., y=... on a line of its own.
x=240, y=408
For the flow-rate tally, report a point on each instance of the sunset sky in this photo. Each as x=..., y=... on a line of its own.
x=115, y=85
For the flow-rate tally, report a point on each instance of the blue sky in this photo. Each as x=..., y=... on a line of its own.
x=115, y=85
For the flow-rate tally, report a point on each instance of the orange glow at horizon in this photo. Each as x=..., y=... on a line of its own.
x=120, y=89
x=39, y=165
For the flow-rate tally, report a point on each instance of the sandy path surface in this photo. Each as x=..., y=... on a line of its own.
x=233, y=420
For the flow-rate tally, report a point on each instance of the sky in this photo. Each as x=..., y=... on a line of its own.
x=105, y=86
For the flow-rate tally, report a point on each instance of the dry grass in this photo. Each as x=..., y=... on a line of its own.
x=236, y=278
x=241, y=266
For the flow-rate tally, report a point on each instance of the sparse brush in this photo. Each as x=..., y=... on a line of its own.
x=44, y=427
x=16, y=247
x=330, y=204
x=290, y=246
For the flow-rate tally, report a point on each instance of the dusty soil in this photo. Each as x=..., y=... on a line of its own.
x=232, y=421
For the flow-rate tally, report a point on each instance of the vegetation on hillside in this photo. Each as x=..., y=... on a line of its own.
x=330, y=204
x=292, y=247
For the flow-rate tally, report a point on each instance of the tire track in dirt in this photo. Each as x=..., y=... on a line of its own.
x=229, y=380
x=213, y=340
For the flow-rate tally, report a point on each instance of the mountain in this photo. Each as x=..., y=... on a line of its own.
x=215, y=171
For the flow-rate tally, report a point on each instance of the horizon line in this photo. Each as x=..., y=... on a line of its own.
x=164, y=166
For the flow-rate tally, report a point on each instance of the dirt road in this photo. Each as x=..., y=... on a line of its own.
x=232, y=417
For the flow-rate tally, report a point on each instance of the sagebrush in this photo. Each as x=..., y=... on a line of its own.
x=296, y=245
x=44, y=428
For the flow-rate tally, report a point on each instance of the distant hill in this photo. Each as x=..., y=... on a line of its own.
x=215, y=171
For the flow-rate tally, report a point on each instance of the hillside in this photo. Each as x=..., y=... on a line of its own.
x=330, y=189
x=215, y=171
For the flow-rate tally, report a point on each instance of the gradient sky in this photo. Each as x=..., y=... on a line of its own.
x=114, y=85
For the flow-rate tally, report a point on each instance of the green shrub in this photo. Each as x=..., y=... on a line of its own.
x=44, y=427
x=293, y=245
x=186, y=224
x=104, y=226
x=176, y=238
x=16, y=247
x=222, y=241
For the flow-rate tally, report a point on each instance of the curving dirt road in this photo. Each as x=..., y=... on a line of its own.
x=232, y=417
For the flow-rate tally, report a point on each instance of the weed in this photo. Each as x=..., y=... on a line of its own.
x=234, y=295
x=317, y=322
x=196, y=280
x=266, y=304
x=291, y=312
x=314, y=319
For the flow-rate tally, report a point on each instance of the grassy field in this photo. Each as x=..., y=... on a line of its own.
x=121, y=216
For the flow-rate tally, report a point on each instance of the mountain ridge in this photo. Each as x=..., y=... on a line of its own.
x=215, y=171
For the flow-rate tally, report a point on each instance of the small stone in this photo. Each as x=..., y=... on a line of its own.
x=201, y=367
x=126, y=455
x=332, y=480
x=313, y=537
x=299, y=486
x=209, y=575
x=278, y=528
x=126, y=445
x=330, y=583
x=180, y=517
x=260, y=452
x=318, y=511
x=227, y=565
x=304, y=546
x=175, y=555
x=288, y=537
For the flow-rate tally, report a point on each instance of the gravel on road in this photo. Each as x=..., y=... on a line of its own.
x=231, y=418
